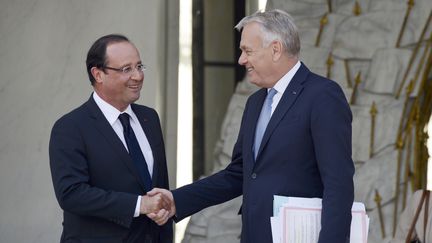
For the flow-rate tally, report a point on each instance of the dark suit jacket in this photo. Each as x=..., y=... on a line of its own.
x=96, y=182
x=305, y=152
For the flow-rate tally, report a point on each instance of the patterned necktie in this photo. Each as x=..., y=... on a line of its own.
x=135, y=151
x=263, y=120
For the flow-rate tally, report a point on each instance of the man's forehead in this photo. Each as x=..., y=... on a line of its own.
x=118, y=46
x=122, y=51
x=250, y=37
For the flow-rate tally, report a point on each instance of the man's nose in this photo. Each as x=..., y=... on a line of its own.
x=137, y=74
x=242, y=59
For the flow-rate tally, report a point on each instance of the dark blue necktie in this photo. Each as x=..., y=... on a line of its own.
x=135, y=151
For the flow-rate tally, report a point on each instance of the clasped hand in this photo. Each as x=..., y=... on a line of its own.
x=158, y=204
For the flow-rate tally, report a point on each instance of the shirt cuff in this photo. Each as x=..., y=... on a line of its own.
x=137, y=207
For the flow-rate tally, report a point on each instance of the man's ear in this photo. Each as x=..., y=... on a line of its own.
x=97, y=74
x=277, y=49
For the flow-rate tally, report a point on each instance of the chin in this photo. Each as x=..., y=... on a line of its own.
x=252, y=81
x=134, y=98
x=257, y=83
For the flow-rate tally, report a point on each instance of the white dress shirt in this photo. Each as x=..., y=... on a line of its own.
x=111, y=114
x=282, y=84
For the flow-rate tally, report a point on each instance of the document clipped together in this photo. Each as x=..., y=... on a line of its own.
x=298, y=220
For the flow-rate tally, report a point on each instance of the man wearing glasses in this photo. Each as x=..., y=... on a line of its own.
x=109, y=152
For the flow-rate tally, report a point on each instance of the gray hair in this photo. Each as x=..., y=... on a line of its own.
x=276, y=25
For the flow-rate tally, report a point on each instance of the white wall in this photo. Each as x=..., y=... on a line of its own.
x=43, y=46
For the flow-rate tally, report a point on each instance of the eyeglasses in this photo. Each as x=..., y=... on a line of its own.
x=127, y=69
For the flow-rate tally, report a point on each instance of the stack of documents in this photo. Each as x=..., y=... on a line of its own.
x=298, y=220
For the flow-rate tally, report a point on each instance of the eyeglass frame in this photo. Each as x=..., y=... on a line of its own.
x=125, y=70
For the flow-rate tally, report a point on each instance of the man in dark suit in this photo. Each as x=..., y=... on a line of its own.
x=106, y=154
x=294, y=139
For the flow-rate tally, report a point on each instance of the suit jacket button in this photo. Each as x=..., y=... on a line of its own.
x=254, y=175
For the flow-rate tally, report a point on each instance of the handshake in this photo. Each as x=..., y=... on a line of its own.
x=158, y=204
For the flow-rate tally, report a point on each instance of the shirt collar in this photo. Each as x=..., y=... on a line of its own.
x=110, y=112
x=282, y=84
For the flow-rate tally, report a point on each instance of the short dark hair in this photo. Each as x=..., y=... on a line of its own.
x=96, y=56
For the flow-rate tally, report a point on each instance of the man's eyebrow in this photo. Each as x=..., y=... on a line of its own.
x=243, y=47
x=131, y=64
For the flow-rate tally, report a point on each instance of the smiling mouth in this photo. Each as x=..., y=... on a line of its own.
x=134, y=86
x=249, y=69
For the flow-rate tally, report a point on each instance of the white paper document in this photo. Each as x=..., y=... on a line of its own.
x=298, y=220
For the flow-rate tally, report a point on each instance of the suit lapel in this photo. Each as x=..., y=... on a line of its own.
x=102, y=124
x=149, y=131
x=292, y=92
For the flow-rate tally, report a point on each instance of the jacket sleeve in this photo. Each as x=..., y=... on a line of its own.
x=331, y=132
x=71, y=179
x=215, y=189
